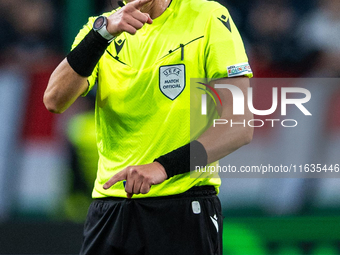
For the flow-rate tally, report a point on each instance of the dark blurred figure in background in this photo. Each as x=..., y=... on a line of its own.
x=31, y=32
x=276, y=52
x=320, y=31
x=7, y=32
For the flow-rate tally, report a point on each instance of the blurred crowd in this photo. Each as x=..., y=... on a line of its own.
x=288, y=38
x=283, y=38
x=30, y=33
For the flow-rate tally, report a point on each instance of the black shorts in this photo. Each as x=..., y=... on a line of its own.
x=186, y=224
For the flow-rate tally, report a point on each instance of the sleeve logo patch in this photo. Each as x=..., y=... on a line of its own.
x=172, y=80
x=225, y=23
x=239, y=70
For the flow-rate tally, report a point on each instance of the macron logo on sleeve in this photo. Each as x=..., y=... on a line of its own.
x=225, y=22
x=119, y=45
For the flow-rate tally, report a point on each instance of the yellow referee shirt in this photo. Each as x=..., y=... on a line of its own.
x=143, y=95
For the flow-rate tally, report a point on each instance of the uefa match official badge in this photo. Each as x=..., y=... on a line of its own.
x=172, y=80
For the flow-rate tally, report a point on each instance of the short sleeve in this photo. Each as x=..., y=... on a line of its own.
x=82, y=33
x=225, y=55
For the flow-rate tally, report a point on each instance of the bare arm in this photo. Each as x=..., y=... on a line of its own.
x=222, y=140
x=63, y=88
x=65, y=85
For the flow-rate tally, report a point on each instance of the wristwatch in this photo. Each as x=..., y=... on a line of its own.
x=99, y=26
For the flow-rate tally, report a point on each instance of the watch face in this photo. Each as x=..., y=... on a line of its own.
x=99, y=22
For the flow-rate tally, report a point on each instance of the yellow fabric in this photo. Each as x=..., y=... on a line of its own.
x=135, y=121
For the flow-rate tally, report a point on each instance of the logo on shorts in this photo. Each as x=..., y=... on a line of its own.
x=196, y=207
x=172, y=80
x=239, y=70
x=214, y=221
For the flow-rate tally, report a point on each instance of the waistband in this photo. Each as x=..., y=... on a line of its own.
x=206, y=190
x=196, y=191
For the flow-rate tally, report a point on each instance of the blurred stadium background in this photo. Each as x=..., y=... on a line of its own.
x=47, y=164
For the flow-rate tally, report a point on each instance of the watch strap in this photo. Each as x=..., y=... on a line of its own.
x=105, y=34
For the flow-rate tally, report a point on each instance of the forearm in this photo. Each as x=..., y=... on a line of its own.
x=214, y=144
x=221, y=140
x=69, y=80
x=63, y=88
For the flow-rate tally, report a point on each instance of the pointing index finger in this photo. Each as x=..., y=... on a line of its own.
x=114, y=179
x=138, y=4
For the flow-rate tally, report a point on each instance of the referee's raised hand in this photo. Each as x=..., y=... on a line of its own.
x=139, y=178
x=129, y=18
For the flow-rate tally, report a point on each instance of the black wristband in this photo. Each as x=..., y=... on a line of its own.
x=84, y=58
x=184, y=159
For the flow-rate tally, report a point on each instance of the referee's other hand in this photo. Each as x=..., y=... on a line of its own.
x=129, y=18
x=139, y=178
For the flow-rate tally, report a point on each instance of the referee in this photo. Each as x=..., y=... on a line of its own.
x=142, y=56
